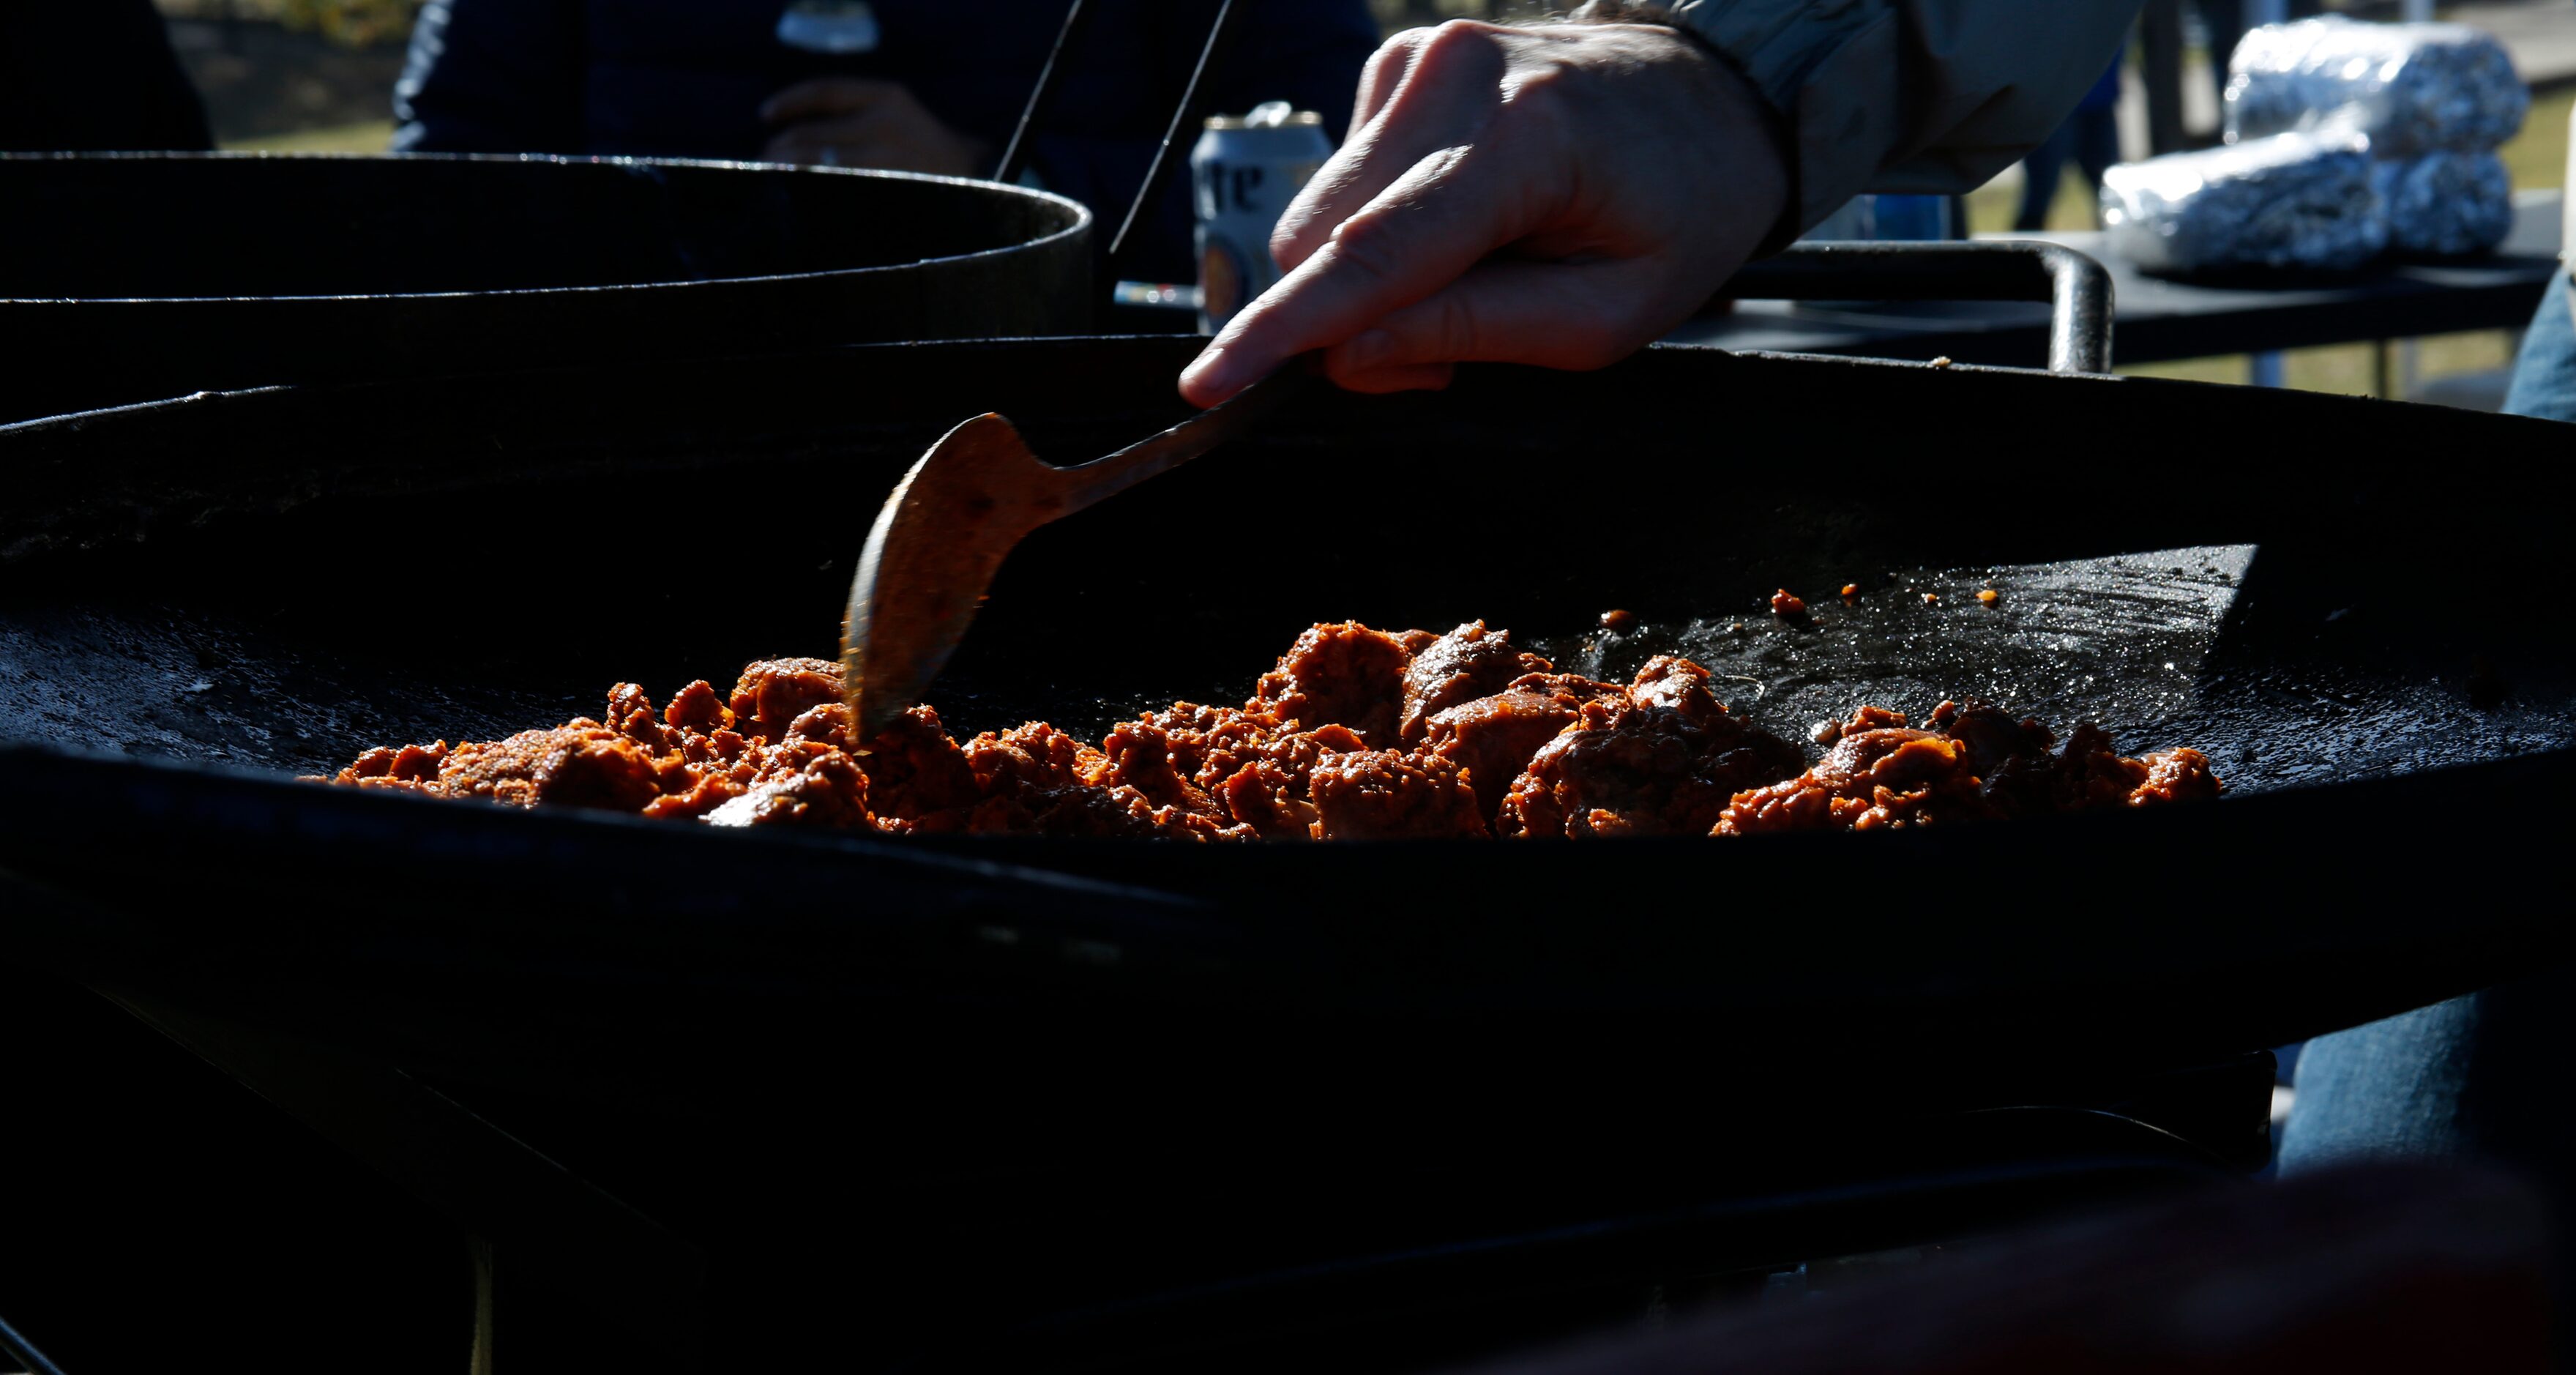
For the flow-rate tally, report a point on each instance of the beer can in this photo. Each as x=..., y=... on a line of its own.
x=1244, y=170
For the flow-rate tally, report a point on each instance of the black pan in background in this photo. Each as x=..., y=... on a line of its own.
x=129, y=277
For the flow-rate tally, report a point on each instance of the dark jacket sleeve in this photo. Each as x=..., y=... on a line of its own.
x=1306, y=52
x=492, y=76
x=95, y=76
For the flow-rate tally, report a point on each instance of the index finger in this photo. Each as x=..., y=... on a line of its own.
x=1439, y=219
x=823, y=95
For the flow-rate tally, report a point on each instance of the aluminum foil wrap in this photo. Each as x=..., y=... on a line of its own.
x=2410, y=88
x=2445, y=205
x=2290, y=200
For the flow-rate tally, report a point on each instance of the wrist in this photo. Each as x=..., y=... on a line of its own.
x=1738, y=106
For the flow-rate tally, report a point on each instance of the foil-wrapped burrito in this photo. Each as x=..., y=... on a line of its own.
x=2303, y=200
x=2408, y=88
x=2446, y=204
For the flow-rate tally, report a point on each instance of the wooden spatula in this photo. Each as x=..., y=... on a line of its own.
x=945, y=530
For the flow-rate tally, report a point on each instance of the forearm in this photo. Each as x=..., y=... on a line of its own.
x=1909, y=95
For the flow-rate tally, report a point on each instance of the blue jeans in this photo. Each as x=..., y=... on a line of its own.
x=2435, y=1082
x=2544, y=376
x=2484, y=1075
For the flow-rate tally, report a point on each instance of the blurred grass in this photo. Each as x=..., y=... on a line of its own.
x=370, y=137
x=2537, y=158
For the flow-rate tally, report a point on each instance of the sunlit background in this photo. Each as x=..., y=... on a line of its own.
x=318, y=75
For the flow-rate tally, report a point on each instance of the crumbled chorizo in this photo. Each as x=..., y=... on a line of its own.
x=1461, y=666
x=1355, y=734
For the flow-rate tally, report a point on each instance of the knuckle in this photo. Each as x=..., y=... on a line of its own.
x=1388, y=62
x=1542, y=83
x=1370, y=245
x=1457, y=327
x=1289, y=238
x=1455, y=42
x=1451, y=33
x=1302, y=223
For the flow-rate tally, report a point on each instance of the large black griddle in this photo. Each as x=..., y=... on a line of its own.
x=1134, y=1067
x=128, y=277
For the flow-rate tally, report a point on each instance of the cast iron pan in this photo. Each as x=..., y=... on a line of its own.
x=129, y=277
x=2350, y=604
x=218, y=594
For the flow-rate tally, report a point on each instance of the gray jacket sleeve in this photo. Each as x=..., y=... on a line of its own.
x=1911, y=95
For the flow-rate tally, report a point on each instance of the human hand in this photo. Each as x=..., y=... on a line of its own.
x=1558, y=195
x=843, y=121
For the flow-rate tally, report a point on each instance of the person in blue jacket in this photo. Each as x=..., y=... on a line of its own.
x=939, y=88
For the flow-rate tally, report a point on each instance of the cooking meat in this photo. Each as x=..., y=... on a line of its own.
x=1492, y=738
x=1879, y=774
x=583, y=764
x=914, y=769
x=1271, y=791
x=1035, y=756
x=827, y=789
x=1037, y=780
x=772, y=693
x=1339, y=675
x=1389, y=795
x=1665, y=761
x=2092, y=774
x=1669, y=680
x=1461, y=666
x=1138, y=754
x=1355, y=734
x=1270, y=800
x=1210, y=743
x=1975, y=763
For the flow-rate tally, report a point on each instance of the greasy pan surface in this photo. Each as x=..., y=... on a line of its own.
x=268, y=583
x=1132, y=1069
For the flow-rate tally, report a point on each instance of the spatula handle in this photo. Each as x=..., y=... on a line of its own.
x=1107, y=477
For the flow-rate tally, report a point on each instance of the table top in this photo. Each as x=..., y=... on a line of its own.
x=2160, y=320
